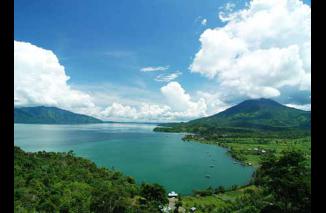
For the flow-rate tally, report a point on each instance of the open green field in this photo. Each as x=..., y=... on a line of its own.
x=251, y=150
x=215, y=203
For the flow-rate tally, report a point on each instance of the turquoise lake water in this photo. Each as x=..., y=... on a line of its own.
x=137, y=151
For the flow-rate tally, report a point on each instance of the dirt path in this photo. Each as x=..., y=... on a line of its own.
x=172, y=202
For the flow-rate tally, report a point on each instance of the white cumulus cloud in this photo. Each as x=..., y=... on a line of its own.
x=181, y=102
x=179, y=106
x=117, y=110
x=260, y=50
x=213, y=101
x=41, y=80
x=306, y=107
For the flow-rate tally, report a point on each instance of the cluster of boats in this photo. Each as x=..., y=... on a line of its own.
x=211, y=166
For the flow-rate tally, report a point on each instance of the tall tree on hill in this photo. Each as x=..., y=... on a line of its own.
x=288, y=179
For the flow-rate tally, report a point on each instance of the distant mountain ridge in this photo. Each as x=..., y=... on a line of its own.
x=50, y=115
x=255, y=114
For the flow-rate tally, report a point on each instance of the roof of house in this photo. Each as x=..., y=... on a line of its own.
x=172, y=194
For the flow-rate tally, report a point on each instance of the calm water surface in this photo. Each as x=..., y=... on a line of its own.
x=137, y=151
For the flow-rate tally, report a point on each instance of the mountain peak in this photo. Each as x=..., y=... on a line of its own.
x=261, y=101
x=251, y=106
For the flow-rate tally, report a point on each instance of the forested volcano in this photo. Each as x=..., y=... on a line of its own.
x=255, y=115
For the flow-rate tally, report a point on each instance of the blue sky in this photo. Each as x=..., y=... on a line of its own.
x=103, y=45
x=141, y=33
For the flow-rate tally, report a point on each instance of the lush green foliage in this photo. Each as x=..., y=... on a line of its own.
x=61, y=182
x=50, y=115
x=288, y=179
x=251, y=118
x=153, y=193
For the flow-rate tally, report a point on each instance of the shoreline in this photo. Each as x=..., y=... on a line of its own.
x=222, y=145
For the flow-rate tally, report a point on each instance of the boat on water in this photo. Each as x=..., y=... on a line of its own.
x=208, y=176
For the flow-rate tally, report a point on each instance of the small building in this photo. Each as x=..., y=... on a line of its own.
x=263, y=151
x=192, y=209
x=256, y=149
x=172, y=194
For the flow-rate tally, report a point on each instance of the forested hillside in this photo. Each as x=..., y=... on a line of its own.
x=50, y=115
x=60, y=182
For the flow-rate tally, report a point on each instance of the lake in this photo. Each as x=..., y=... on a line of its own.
x=137, y=151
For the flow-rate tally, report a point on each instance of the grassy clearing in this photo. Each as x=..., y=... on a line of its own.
x=251, y=150
x=216, y=202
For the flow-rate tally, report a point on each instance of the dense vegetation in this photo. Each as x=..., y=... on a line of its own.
x=50, y=115
x=60, y=182
x=288, y=179
x=251, y=118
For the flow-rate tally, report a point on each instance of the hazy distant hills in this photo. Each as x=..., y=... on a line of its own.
x=50, y=115
x=255, y=114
